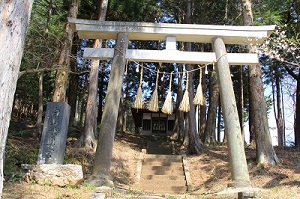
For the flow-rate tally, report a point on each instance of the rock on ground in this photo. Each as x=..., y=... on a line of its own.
x=55, y=174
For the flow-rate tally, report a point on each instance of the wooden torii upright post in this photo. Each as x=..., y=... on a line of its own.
x=217, y=35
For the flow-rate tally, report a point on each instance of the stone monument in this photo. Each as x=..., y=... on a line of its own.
x=54, y=136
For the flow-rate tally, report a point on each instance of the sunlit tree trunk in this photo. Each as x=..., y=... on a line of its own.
x=212, y=109
x=89, y=140
x=14, y=19
x=265, y=152
x=202, y=108
x=179, y=116
x=194, y=141
x=240, y=100
x=73, y=87
x=277, y=106
x=62, y=74
x=40, y=105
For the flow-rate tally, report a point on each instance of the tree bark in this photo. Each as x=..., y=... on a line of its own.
x=194, y=141
x=73, y=88
x=90, y=124
x=240, y=101
x=14, y=19
x=62, y=75
x=265, y=153
x=179, y=116
x=202, y=108
x=101, y=169
x=277, y=106
x=212, y=109
x=40, y=105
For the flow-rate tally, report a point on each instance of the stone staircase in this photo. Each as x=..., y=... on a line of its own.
x=161, y=172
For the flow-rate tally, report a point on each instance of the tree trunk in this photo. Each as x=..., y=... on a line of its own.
x=62, y=75
x=202, y=108
x=73, y=88
x=100, y=87
x=89, y=141
x=212, y=109
x=40, y=106
x=278, y=108
x=179, y=116
x=14, y=19
x=194, y=141
x=101, y=169
x=240, y=101
x=265, y=152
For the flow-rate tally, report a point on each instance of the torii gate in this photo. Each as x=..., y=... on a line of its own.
x=171, y=33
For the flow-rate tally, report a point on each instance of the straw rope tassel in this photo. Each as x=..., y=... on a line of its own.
x=185, y=103
x=153, y=105
x=138, y=104
x=168, y=105
x=198, y=100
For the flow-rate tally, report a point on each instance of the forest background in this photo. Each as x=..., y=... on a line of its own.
x=279, y=59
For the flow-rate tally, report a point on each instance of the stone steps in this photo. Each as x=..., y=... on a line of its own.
x=162, y=174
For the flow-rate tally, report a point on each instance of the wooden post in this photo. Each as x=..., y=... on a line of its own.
x=237, y=158
x=103, y=154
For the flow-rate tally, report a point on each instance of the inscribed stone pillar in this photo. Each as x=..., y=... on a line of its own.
x=54, y=136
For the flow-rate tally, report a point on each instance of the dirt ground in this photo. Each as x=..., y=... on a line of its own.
x=209, y=172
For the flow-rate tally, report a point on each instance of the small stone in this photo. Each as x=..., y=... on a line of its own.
x=98, y=196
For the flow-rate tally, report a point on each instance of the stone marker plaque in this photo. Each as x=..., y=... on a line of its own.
x=54, y=136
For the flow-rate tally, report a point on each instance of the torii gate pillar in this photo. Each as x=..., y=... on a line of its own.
x=101, y=170
x=236, y=151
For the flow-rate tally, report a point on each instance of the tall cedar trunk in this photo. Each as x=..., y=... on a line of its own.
x=89, y=141
x=202, y=109
x=40, y=105
x=194, y=141
x=178, y=114
x=212, y=109
x=240, y=100
x=278, y=109
x=73, y=87
x=265, y=152
x=62, y=74
x=103, y=154
x=100, y=87
x=83, y=97
x=14, y=19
